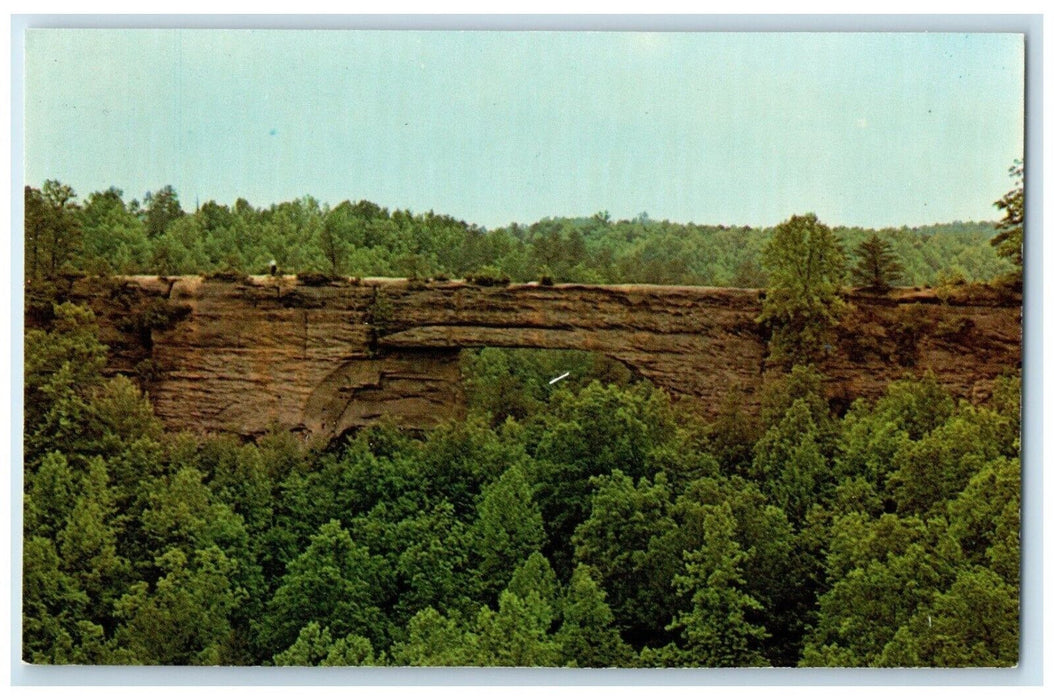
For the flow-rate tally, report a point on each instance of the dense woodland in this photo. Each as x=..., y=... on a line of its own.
x=588, y=523
x=105, y=234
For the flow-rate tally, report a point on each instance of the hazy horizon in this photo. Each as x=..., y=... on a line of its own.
x=870, y=130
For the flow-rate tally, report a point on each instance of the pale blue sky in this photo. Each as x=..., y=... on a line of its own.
x=492, y=127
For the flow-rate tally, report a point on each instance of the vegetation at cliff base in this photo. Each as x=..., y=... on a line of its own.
x=588, y=523
x=592, y=522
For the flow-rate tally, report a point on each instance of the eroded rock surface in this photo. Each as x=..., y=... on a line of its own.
x=242, y=356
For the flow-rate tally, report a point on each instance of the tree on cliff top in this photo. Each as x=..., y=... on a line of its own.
x=806, y=266
x=1010, y=239
x=877, y=266
x=52, y=229
x=162, y=208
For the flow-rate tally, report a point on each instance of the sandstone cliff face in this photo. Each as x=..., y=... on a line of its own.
x=241, y=356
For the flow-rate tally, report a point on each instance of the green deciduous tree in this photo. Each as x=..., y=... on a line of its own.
x=1009, y=242
x=434, y=640
x=341, y=231
x=50, y=493
x=315, y=646
x=184, y=617
x=591, y=434
x=508, y=528
x=182, y=512
x=516, y=635
x=789, y=465
x=366, y=239
x=882, y=572
x=52, y=229
x=622, y=542
x=780, y=569
x=335, y=583
x=716, y=631
x=53, y=605
x=806, y=266
x=63, y=366
x=88, y=543
x=431, y=553
x=115, y=239
x=973, y=623
x=985, y=518
x=180, y=249
x=588, y=636
x=535, y=582
x=872, y=434
x=931, y=471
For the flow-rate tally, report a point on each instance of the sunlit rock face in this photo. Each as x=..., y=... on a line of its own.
x=245, y=355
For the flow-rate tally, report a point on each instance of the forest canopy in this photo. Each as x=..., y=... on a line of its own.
x=588, y=523
x=104, y=233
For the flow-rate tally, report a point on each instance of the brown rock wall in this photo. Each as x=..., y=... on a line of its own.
x=243, y=356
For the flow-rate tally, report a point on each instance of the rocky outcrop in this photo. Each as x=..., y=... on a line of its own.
x=244, y=355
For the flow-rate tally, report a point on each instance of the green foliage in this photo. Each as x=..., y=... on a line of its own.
x=115, y=239
x=593, y=433
x=588, y=636
x=716, y=630
x=780, y=569
x=788, y=461
x=53, y=231
x=974, y=623
x=535, y=581
x=105, y=234
x=507, y=530
x=791, y=456
x=806, y=266
x=732, y=434
x=62, y=366
x=335, y=583
x=985, y=518
x=929, y=471
x=1009, y=242
x=315, y=646
x=514, y=383
x=516, y=635
x=431, y=553
x=581, y=524
x=872, y=435
x=803, y=383
x=877, y=267
x=621, y=543
x=434, y=640
x=184, y=617
x=88, y=543
x=181, y=511
x=882, y=571
x=488, y=276
x=49, y=496
x=53, y=605
x=379, y=315
x=162, y=208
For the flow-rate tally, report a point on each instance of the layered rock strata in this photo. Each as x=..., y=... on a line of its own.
x=244, y=355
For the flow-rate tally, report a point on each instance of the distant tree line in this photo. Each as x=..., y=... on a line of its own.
x=595, y=522
x=104, y=233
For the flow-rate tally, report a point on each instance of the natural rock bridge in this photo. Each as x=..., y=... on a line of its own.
x=243, y=355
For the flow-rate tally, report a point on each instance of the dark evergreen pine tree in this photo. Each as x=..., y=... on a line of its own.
x=877, y=266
